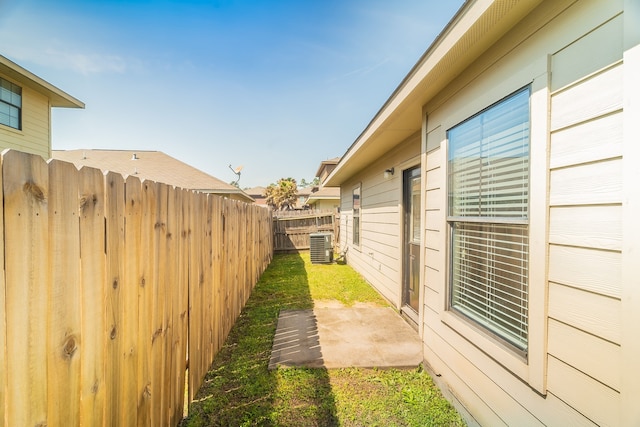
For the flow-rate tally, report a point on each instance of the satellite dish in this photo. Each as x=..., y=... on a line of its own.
x=236, y=171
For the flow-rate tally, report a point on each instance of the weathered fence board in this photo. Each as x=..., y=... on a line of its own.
x=182, y=304
x=115, y=312
x=129, y=292
x=26, y=232
x=159, y=322
x=64, y=320
x=291, y=230
x=146, y=295
x=92, y=279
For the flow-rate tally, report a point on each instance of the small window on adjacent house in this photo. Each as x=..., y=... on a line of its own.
x=356, y=216
x=488, y=216
x=10, y=104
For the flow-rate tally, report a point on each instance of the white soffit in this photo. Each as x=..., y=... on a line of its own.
x=475, y=27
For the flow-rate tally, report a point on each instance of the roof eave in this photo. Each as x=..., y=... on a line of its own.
x=469, y=33
x=57, y=97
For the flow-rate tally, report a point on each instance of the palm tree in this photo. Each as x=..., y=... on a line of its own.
x=282, y=195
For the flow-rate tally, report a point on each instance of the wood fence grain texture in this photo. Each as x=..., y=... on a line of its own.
x=110, y=286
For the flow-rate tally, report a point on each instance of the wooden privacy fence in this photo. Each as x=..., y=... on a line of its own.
x=291, y=229
x=107, y=285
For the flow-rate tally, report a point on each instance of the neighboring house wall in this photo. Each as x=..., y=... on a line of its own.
x=35, y=135
x=325, y=204
x=379, y=256
x=33, y=97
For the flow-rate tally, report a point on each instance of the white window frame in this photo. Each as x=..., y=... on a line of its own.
x=11, y=98
x=469, y=338
x=356, y=209
x=488, y=223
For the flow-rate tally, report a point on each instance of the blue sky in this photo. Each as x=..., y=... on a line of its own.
x=275, y=86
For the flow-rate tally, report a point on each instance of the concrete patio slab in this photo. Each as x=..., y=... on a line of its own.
x=341, y=337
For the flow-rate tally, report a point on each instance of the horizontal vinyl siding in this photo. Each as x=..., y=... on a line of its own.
x=585, y=227
x=435, y=230
x=589, y=269
x=34, y=135
x=575, y=388
x=569, y=343
x=381, y=237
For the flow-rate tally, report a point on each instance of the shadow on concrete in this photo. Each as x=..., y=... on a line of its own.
x=296, y=342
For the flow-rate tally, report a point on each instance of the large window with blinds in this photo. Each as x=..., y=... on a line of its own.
x=488, y=177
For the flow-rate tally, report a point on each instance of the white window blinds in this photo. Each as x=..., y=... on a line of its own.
x=488, y=212
x=489, y=161
x=490, y=270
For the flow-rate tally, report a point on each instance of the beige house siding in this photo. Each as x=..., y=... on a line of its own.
x=379, y=256
x=630, y=295
x=572, y=375
x=585, y=230
x=35, y=135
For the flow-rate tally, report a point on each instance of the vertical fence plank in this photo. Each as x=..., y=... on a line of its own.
x=183, y=263
x=198, y=285
x=25, y=180
x=92, y=283
x=226, y=268
x=208, y=281
x=195, y=298
x=145, y=302
x=217, y=270
x=173, y=309
x=171, y=296
x=115, y=345
x=159, y=303
x=235, y=240
x=129, y=294
x=3, y=314
x=64, y=311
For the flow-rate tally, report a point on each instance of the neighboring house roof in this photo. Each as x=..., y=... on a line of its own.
x=153, y=165
x=257, y=193
x=305, y=191
x=57, y=97
x=325, y=168
x=325, y=193
x=474, y=28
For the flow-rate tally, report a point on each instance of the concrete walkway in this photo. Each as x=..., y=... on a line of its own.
x=334, y=336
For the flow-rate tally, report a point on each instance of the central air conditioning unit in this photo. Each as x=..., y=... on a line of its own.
x=321, y=248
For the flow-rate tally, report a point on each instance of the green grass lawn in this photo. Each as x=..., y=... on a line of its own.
x=239, y=390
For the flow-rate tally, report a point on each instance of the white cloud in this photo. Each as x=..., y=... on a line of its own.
x=361, y=71
x=84, y=63
x=27, y=37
